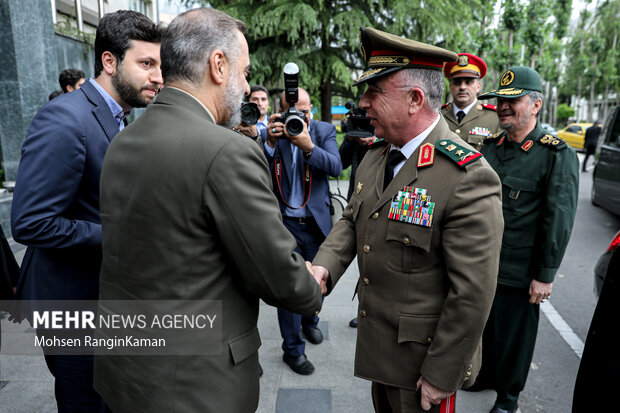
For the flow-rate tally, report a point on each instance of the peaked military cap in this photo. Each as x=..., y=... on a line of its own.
x=386, y=53
x=468, y=65
x=515, y=82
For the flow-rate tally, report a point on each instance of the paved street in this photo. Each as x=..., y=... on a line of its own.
x=27, y=387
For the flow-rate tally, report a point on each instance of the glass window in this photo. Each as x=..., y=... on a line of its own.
x=137, y=5
x=573, y=129
x=613, y=139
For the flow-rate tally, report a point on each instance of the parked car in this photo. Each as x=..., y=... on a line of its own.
x=574, y=134
x=606, y=174
x=550, y=129
x=600, y=270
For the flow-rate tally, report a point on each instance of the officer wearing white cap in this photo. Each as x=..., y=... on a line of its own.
x=425, y=223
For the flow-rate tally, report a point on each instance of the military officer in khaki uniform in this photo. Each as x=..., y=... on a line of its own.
x=469, y=118
x=425, y=223
x=540, y=177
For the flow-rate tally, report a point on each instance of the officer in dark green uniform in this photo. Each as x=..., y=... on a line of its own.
x=540, y=183
x=469, y=118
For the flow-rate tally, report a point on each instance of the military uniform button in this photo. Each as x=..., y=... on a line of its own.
x=366, y=281
x=316, y=313
x=429, y=340
x=366, y=249
x=375, y=215
x=406, y=241
x=363, y=314
x=457, y=131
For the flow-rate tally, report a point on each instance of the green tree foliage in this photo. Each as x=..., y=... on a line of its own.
x=322, y=37
x=564, y=112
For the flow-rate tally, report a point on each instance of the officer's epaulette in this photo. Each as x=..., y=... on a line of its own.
x=459, y=154
x=551, y=142
x=494, y=138
x=490, y=107
x=445, y=106
x=376, y=143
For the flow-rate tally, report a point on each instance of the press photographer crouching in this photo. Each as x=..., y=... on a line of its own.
x=302, y=154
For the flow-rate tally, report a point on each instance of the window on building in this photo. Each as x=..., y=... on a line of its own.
x=138, y=5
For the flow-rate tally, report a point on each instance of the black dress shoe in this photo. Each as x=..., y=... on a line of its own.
x=313, y=335
x=353, y=323
x=496, y=409
x=300, y=365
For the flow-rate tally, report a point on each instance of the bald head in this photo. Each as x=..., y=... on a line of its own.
x=303, y=104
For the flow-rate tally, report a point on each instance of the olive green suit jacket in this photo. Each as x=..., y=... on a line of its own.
x=471, y=129
x=188, y=214
x=424, y=292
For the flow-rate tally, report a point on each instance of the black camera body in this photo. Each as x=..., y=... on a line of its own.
x=356, y=123
x=293, y=118
x=250, y=114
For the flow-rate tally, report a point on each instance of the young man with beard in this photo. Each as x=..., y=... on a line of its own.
x=540, y=184
x=56, y=201
x=211, y=230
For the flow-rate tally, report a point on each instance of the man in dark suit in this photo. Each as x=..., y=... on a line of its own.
x=209, y=230
x=300, y=166
x=590, y=142
x=56, y=201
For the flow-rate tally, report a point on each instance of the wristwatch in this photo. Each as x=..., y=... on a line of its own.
x=307, y=155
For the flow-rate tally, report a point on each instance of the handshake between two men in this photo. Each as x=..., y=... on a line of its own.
x=320, y=274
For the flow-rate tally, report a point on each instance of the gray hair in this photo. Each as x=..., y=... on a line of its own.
x=431, y=83
x=191, y=38
x=534, y=96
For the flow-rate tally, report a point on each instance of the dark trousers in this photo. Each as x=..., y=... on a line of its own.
x=309, y=238
x=508, y=344
x=73, y=384
x=589, y=151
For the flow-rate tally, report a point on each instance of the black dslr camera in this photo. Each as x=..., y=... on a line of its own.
x=293, y=119
x=250, y=114
x=356, y=123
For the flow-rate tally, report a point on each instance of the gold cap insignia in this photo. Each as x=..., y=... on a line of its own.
x=463, y=60
x=507, y=78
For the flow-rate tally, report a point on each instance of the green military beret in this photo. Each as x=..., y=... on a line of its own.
x=386, y=53
x=515, y=82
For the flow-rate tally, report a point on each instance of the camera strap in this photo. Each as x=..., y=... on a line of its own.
x=306, y=178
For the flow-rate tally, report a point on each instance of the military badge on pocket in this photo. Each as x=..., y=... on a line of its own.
x=412, y=205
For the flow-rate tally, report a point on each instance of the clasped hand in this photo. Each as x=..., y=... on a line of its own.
x=320, y=274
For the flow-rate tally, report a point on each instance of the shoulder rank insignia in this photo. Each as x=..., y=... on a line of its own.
x=459, y=154
x=447, y=105
x=489, y=107
x=494, y=138
x=551, y=142
x=377, y=143
x=527, y=145
x=426, y=157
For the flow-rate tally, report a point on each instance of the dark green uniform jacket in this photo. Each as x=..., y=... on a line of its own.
x=540, y=184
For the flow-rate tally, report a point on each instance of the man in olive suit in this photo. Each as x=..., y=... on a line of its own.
x=425, y=221
x=188, y=214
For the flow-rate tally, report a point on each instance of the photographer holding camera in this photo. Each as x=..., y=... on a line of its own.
x=254, y=114
x=302, y=153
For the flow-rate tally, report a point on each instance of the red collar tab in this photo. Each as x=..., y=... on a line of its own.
x=426, y=157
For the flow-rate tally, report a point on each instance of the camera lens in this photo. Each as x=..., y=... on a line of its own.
x=294, y=125
x=250, y=113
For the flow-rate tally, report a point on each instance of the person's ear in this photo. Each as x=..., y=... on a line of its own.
x=109, y=62
x=415, y=100
x=218, y=67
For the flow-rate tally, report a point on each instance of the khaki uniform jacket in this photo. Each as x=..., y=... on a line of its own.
x=188, y=213
x=424, y=292
x=472, y=128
